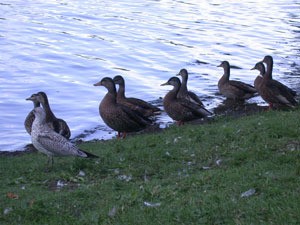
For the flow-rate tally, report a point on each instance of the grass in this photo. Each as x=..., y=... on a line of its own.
x=193, y=174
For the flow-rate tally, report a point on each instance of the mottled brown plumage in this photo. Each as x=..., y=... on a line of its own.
x=233, y=89
x=117, y=116
x=181, y=110
x=138, y=105
x=51, y=143
x=272, y=91
x=268, y=60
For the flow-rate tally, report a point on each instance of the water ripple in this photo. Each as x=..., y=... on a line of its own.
x=62, y=48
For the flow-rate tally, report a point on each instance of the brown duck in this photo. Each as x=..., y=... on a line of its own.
x=138, y=105
x=58, y=125
x=233, y=89
x=183, y=92
x=117, y=116
x=258, y=80
x=181, y=110
x=268, y=60
x=30, y=117
x=271, y=91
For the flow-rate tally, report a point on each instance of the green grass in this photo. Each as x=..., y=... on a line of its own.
x=176, y=169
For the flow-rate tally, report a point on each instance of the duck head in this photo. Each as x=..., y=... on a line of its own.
x=42, y=98
x=173, y=81
x=108, y=83
x=268, y=60
x=183, y=73
x=260, y=67
x=119, y=80
x=34, y=99
x=224, y=64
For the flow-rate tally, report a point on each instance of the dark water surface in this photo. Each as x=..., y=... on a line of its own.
x=64, y=47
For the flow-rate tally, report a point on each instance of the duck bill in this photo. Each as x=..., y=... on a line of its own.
x=164, y=84
x=220, y=65
x=253, y=68
x=31, y=98
x=98, y=84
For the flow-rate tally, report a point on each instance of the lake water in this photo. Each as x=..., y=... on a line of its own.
x=63, y=47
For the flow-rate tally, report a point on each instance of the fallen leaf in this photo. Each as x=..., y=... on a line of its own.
x=12, y=195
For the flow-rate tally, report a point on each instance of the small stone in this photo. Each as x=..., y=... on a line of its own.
x=7, y=210
x=60, y=184
x=248, y=193
x=125, y=178
x=151, y=204
x=112, y=212
x=81, y=173
x=218, y=162
x=205, y=167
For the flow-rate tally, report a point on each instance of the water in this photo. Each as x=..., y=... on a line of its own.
x=64, y=47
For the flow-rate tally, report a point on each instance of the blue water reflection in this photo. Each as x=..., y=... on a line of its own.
x=63, y=47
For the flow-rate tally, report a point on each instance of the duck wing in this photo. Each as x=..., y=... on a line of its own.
x=194, y=98
x=63, y=128
x=28, y=121
x=135, y=117
x=195, y=109
x=143, y=104
x=280, y=93
x=243, y=86
x=58, y=145
x=285, y=88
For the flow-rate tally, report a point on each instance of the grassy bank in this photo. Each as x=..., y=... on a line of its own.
x=194, y=174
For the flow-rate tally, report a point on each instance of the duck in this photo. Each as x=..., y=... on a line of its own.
x=258, y=80
x=58, y=125
x=268, y=60
x=51, y=143
x=271, y=91
x=181, y=110
x=117, y=116
x=183, y=92
x=136, y=104
x=233, y=89
x=30, y=117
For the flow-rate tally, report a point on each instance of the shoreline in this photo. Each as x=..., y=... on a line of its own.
x=228, y=108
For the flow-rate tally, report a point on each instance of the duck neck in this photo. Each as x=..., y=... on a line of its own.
x=111, y=95
x=38, y=122
x=269, y=71
x=226, y=75
x=183, y=86
x=226, y=72
x=36, y=104
x=49, y=114
x=121, y=91
x=172, y=94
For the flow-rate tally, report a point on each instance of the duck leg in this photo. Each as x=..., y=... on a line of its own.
x=121, y=135
x=50, y=162
x=271, y=106
x=179, y=123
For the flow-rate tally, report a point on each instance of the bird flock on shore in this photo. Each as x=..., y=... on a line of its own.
x=50, y=135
